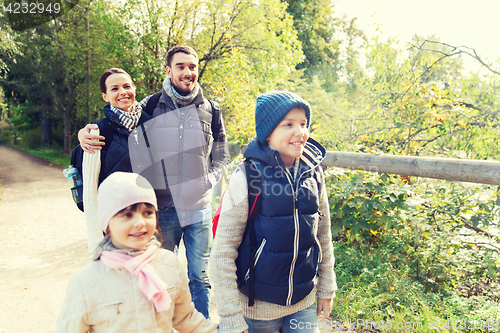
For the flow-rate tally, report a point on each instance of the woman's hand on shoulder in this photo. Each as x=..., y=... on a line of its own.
x=88, y=141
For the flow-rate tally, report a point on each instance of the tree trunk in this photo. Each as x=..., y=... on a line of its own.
x=46, y=129
x=67, y=111
x=67, y=135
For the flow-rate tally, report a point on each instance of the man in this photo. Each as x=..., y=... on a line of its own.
x=187, y=149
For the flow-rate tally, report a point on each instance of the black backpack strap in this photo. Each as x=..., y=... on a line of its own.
x=215, y=116
x=77, y=153
x=77, y=158
x=148, y=147
x=106, y=131
x=254, y=183
x=152, y=103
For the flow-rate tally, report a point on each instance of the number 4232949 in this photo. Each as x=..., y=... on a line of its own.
x=33, y=8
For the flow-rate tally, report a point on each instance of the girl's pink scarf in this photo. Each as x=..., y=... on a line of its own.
x=150, y=283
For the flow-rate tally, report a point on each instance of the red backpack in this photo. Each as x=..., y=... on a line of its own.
x=254, y=196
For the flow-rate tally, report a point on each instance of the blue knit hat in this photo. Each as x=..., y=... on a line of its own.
x=272, y=107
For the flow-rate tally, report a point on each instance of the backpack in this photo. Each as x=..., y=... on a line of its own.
x=254, y=184
x=155, y=98
x=152, y=103
x=254, y=198
x=77, y=153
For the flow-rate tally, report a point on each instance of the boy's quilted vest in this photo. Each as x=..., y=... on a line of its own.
x=287, y=251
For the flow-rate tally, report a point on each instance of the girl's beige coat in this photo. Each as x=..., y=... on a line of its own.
x=100, y=299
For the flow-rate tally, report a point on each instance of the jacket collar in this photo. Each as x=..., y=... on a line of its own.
x=165, y=99
x=314, y=153
x=115, y=120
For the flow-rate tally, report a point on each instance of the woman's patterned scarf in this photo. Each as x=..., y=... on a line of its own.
x=129, y=120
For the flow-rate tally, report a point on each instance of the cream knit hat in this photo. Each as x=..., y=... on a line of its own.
x=120, y=190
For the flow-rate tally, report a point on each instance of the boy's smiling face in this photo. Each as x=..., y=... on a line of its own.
x=290, y=136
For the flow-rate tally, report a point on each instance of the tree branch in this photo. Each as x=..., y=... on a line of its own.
x=478, y=230
x=494, y=248
x=457, y=50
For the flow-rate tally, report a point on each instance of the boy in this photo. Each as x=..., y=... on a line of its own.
x=291, y=235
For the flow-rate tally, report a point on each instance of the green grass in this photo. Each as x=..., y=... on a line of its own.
x=55, y=156
x=379, y=295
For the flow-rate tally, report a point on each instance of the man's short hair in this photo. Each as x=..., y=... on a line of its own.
x=180, y=48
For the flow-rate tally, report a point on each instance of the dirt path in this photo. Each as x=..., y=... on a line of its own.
x=43, y=243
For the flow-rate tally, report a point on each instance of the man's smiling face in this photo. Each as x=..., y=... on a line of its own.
x=183, y=72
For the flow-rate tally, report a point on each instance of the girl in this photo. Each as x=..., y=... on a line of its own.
x=293, y=253
x=132, y=285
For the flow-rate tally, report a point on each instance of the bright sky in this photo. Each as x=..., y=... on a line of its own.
x=457, y=22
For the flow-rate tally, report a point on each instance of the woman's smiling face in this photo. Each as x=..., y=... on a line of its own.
x=120, y=91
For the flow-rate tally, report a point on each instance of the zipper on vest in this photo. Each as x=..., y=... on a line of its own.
x=296, y=223
x=295, y=251
x=180, y=171
x=296, y=234
x=257, y=256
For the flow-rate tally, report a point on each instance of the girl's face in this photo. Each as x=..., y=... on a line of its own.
x=133, y=228
x=120, y=91
x=290, y=136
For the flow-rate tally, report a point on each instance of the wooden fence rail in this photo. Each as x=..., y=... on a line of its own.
x=474, y=171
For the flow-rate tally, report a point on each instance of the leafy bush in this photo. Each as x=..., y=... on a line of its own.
x=362, y=204
x=419, y=252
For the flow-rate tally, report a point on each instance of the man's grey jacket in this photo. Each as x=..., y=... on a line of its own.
x=181, y=151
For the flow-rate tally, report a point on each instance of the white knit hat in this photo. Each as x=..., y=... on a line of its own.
x=120, y=190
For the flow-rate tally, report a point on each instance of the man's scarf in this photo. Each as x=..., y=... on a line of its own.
x=178, y=98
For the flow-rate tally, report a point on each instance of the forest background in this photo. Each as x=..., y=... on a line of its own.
x=407, y=250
